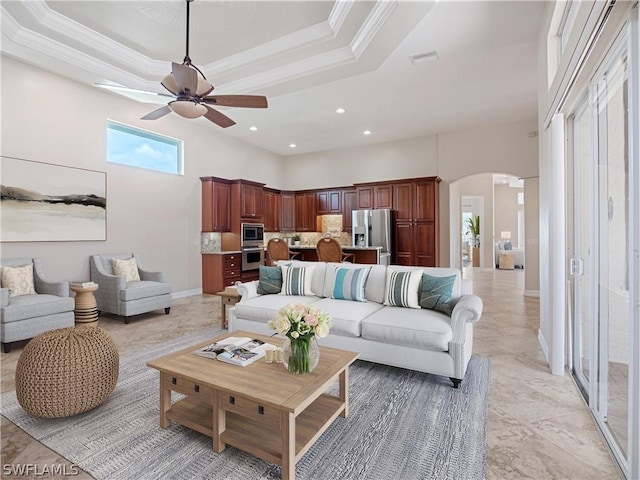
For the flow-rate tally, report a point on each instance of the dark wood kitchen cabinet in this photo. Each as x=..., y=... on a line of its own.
x=306, y=212
x=416, y=222
x=250, y=197
x=216, y=204
x=329, y=202
x=272, y=209
x=379, y=195
x=349, y=204
x=288, y=212
x=220, y=270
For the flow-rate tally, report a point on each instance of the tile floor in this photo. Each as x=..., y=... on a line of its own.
x=538, y=428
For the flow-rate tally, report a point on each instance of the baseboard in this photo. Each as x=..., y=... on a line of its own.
x=186, y=293
x=543, y=346
x=532, y=293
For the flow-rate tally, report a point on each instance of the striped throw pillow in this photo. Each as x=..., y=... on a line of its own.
x=297, y=280
x=402, y=289
x=349, y=283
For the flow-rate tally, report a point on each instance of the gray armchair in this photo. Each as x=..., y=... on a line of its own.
x=26, y=316
x=116, y=295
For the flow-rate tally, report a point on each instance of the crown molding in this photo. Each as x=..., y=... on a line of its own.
x=378, y=16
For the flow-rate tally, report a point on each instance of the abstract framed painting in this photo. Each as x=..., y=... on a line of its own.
x=43, y=202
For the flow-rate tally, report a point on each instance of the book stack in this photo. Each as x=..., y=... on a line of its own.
x=240, y=351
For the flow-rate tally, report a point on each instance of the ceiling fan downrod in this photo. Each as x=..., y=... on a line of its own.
x=187, y=59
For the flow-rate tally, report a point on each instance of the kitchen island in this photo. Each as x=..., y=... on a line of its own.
x=366, y=255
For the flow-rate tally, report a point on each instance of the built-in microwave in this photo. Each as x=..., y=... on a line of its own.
x=252, y=235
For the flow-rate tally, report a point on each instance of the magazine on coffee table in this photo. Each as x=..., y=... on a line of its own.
x=241, y=351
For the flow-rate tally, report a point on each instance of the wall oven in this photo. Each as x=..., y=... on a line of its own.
x=252, y=258
x=252, y=235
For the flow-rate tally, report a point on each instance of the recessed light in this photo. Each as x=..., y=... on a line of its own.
x=292, y=145
x=340, y=110
x=367, y=132
x=253, y=128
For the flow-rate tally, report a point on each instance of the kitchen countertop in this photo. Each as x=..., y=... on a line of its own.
x=344, y=247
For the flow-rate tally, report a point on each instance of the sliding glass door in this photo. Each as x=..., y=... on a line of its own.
x=601, y=185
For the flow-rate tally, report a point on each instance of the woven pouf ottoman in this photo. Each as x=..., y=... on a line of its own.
x=66, y=371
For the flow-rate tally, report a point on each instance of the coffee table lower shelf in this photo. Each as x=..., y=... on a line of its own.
x=252, y=436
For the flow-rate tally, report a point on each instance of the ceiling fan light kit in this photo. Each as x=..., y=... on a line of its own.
x=187, y=108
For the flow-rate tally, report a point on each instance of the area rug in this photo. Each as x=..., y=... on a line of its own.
x=401, y=424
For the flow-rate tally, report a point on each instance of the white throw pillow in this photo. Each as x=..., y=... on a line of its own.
x=297, y=280
x=128, y=268
x=402, y=288
x=18, y=280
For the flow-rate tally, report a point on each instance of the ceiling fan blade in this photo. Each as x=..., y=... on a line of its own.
x=160, y=112
x=169, y=82
x=248, y=101
x=218, y=118
x=186, y=78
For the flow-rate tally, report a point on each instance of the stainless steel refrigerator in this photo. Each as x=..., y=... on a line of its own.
x=372, y=228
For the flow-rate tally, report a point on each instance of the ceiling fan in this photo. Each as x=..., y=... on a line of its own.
x=190, y=90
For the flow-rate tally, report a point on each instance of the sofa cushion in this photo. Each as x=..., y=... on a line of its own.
x=144, y=289
x=402, y=289
x=434, y=272
x=409, y=327
x=38, y=305
x=297, y=280
x=317, y=278
x=128, y=268
x=264, y=308
x=373, y=290
x=270, y=280
x=346, y=315
x=435, y=293
x=349, y=283
x=18, y=280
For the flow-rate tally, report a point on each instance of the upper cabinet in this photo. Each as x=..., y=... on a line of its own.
x=329, y=202
x=288, y=212
x=216, y=204
x=379, y=195
x=272, y=209
x=251, y=200
x=349, y=204
x=306, y=212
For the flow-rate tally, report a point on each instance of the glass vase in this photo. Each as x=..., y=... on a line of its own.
x=300, y=355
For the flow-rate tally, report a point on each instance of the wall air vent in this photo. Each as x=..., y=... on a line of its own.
x=423, y=57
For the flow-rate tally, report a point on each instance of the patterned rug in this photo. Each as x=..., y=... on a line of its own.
x=401, y=424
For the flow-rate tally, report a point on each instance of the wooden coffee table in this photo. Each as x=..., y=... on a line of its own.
x=261, y=409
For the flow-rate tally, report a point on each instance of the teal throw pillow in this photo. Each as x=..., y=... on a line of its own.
x=349, y=283
x=270, y=280
x=435, y=293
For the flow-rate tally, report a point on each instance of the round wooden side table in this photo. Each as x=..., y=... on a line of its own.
x=86, y=307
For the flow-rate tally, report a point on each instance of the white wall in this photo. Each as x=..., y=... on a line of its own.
x=50, y=119
x=532, y=234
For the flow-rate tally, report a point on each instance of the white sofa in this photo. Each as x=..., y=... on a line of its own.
x=518, y=254
x=417, y=339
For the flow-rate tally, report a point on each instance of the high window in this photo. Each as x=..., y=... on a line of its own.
x=135, y=147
